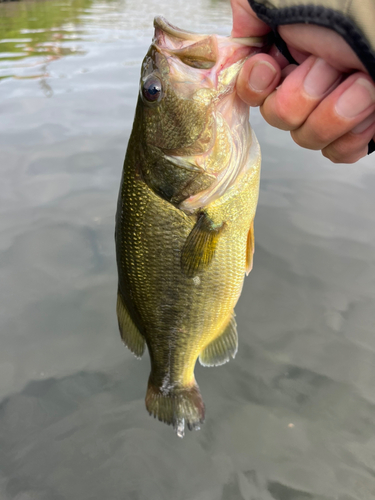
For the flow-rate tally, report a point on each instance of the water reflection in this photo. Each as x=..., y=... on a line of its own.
x=35, y=33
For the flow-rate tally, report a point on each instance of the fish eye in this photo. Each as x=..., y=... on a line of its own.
x=151, y=89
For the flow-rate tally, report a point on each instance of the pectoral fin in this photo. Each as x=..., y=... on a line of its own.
x=250, y=249
x=224, y=347
x=199, y=248
x=130, y=334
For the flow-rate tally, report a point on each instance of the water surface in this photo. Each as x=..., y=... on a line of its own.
x=293, y=417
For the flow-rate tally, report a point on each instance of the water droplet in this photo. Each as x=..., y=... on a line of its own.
x=180, y=428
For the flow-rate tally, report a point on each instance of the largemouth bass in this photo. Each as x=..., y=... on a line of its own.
x=184, y=223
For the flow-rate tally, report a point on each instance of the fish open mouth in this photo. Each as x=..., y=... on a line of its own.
x=211, y=53
x=205, y=68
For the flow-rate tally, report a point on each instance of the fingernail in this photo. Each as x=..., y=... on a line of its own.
x=320, y=78
x=357, y=98
x=261, y=76
x=361, y=127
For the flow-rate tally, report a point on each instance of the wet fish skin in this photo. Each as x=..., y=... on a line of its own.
x=184, y=223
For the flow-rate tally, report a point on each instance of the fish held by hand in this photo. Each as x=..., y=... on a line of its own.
x=184, y=222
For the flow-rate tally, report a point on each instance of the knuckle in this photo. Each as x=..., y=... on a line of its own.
x=355, y=157
x=273, y=117
x=338, y=153
x=320, y=136
x=285, y=115
x=339, y=149
x=346, y=149
x=297, y=139
x=304, y=140
x=330, y=155
x=290, y=107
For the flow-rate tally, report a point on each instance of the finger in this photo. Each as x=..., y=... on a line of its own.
x=287, y=71
x=245, y=21
x=352, y=146
x=258, y=78
x=275, y=53
x=298, y=55
x=342, y=110
x=300, y=93
x=322, y=42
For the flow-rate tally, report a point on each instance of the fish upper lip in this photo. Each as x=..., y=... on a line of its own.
x=161, y=23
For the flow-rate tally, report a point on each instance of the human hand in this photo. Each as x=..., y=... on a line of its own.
x=327, y=102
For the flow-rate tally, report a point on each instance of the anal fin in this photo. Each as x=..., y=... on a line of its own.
x=130, y=334
x=250, y=249
x=200, y=245
x=224, y=347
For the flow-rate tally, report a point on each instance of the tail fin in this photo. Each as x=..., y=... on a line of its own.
x=177, y=406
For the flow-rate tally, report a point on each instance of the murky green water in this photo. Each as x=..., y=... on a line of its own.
x=293, y=417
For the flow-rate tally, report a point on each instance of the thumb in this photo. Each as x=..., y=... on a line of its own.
x=258, y=78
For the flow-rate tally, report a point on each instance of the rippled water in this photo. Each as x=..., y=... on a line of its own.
x=293, y=417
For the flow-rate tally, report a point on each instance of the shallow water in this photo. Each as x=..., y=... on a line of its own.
x=293, y=417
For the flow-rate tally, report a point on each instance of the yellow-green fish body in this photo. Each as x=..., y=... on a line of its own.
x=184, y=224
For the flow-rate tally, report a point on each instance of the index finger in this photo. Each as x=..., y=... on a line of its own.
x=303, y=40
x=245, y=21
